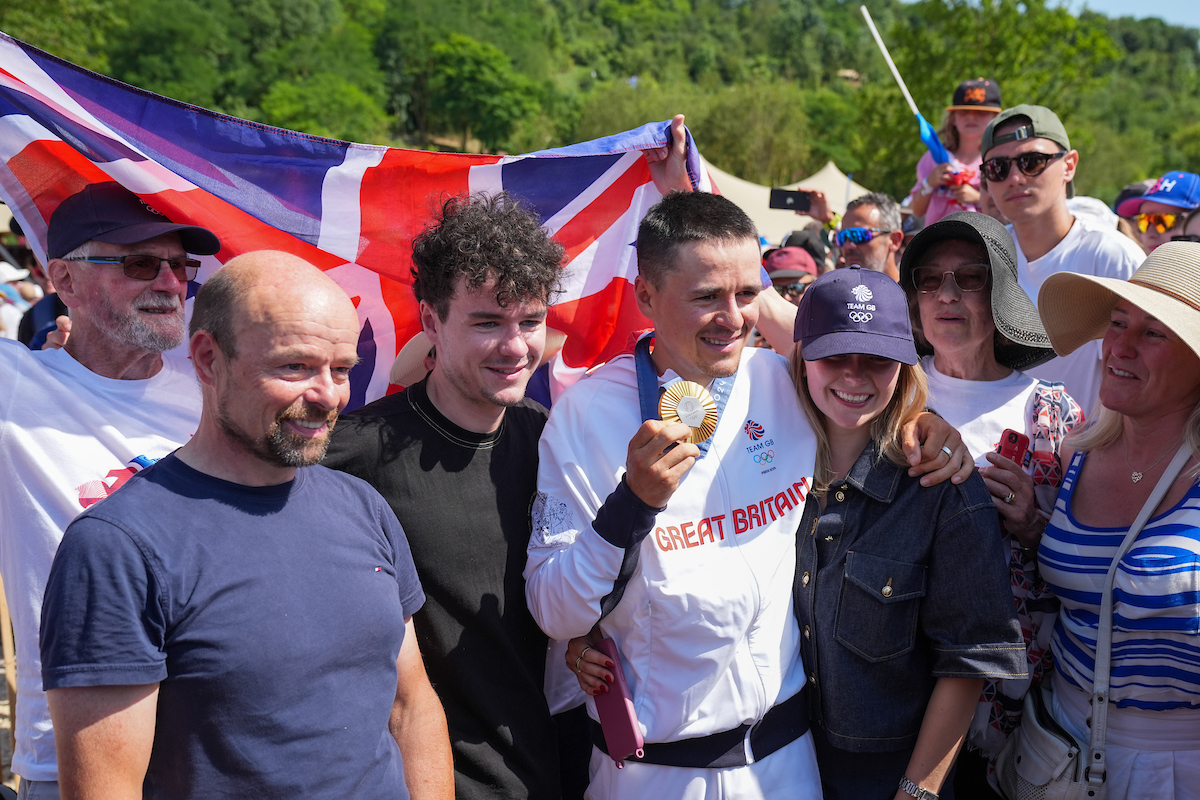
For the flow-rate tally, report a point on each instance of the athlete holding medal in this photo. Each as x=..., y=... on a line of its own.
x=678, y=541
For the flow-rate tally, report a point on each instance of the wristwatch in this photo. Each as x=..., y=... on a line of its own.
x=913, y=790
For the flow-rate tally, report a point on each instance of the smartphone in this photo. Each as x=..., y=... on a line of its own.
x=1014, y=446
x=791, y=200
x=618, y=719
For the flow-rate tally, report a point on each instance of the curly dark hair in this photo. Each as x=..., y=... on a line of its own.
x=480, y=237
x=686, y=217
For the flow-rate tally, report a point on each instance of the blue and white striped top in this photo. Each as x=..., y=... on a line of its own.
x=1156, y=605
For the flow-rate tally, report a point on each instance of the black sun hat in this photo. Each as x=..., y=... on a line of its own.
x=1013, y=312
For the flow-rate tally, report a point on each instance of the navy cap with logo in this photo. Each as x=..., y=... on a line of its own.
x=108, y=212
x=855, y=310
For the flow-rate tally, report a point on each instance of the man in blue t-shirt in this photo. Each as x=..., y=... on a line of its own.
x=236, y=621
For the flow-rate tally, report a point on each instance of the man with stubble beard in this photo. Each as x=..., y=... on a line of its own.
x=77, y=423
x=237, y=620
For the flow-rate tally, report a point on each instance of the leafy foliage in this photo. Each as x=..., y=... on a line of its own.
x=772, y=88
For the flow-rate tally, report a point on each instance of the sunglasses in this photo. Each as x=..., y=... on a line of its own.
x=1160, y=222
x=968, y=278
x=145, y=268
x=792, y=290
x=1031, y=165
x=1186, y=237
x=856, y=235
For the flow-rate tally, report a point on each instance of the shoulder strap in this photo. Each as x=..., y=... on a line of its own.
x=1096, y=767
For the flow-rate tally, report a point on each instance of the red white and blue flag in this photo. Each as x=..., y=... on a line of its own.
x=350, y=209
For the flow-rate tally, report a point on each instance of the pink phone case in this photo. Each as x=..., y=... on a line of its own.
x=622, y=734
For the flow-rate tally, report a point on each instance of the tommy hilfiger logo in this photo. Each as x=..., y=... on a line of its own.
x=753, y=430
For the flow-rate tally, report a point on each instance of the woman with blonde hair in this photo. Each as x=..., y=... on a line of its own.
x=901, y=591
x=1149, y=412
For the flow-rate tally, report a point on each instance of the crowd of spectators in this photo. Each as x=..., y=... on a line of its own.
x=812, y=572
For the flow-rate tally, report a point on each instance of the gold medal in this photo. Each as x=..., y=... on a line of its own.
x=691, y=404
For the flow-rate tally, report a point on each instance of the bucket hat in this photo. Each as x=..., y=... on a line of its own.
x=1013, y=312
x=1076, y=308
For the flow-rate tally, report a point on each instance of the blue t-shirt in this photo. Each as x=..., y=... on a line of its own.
x=271, y=617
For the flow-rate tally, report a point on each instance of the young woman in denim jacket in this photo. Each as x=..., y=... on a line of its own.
x=901, y=591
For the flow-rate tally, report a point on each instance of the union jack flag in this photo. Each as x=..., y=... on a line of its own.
x=350, y=209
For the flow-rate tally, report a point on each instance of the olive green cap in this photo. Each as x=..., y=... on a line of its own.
x=1041, y=123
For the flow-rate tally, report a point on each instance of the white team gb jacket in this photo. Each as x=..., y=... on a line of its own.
x=705, y=628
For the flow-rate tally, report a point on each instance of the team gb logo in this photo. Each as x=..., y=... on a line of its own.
x=862, y=294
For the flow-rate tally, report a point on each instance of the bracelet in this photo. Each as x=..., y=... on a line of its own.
x=833, y=224
x=913, y=790
x=926, y=189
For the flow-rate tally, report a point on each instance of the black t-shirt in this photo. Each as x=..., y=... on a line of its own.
x=463, y=499
x=271, y=617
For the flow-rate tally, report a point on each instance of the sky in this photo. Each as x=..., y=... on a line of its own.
x=1177, y=12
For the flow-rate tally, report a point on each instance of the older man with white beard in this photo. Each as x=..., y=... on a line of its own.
x=77, y=423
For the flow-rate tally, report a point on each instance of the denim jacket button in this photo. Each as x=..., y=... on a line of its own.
x=840, y=497
x=886, y=591
x=807, y=633
x=804, y=579
x=812, y=679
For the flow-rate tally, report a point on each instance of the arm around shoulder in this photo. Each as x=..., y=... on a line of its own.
x=418, y=724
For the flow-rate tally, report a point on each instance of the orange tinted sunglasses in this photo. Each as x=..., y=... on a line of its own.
x=1160, y=222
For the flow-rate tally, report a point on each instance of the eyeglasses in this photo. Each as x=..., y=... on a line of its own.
x=1031, y=165
x=856, y=235
x=792, y=290
x=968, y=278
x=145, y=268
x=1160, y=222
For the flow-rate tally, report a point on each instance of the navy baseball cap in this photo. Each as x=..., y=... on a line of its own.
x=855, y=310
x=108, y=212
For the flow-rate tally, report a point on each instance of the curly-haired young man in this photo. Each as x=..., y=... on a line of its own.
x=456, y=457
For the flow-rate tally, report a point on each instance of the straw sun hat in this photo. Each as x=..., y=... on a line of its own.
x=1076, y=308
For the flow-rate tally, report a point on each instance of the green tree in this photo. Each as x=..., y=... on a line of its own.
x=77, y=30
x=473, y=89
x=1045, y=56
x=757, y=131
x=325, y=104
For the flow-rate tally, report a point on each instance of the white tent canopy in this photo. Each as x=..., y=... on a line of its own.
x=775, y=223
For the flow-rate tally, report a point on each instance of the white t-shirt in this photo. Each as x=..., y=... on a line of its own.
x=1088, y=248
x=68, y=438
x=980, y=410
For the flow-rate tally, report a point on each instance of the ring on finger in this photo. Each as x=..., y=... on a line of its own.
x=578, y=669
x=1011, y=494
x=949, y=453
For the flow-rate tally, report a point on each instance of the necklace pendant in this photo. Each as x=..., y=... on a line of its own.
x=1137, y=476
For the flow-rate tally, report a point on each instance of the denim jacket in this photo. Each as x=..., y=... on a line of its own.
x=898, y=585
